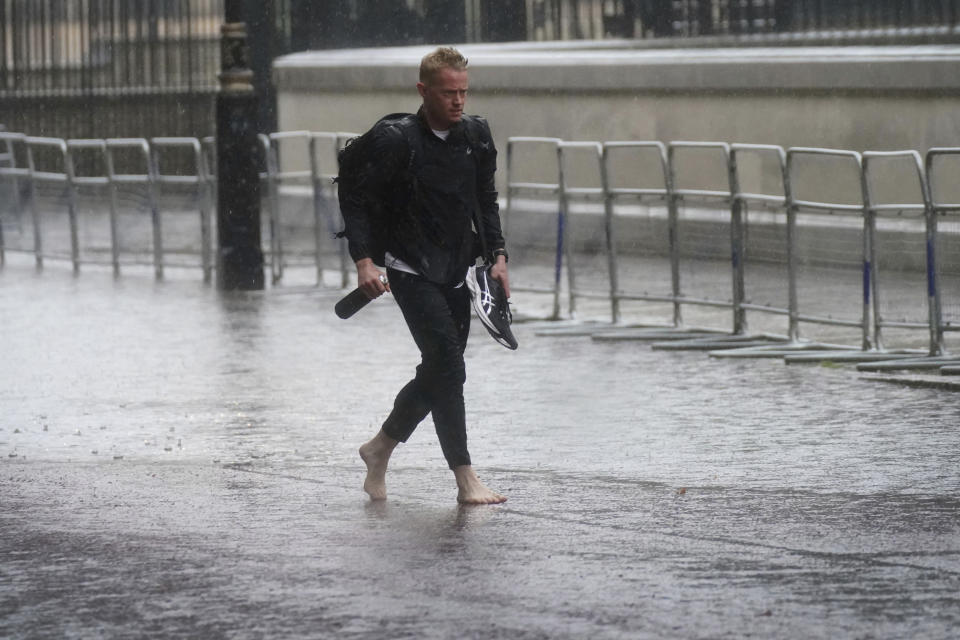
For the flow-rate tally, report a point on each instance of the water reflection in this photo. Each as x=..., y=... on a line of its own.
x=243, y=376
x=241, y=383
x=430, y=531
x=806, y=489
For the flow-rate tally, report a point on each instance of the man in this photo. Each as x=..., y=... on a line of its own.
x=429, y=182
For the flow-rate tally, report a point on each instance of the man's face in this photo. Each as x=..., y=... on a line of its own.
x=444, y=96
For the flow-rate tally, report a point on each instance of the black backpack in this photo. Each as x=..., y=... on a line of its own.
x=353, y=162
x=358, y=151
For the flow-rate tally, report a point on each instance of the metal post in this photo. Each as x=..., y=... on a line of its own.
x=561, y=240
x=870, y=228
x=34, y=210
x=792, y=301
x=273, y=204
x=205, y=197
x=609, y=236
x=72, y=210
x=35, y=174
x=239, y=254
x=114, y=208
x=153, y=191
x=565, y=193
x=869, y=262
x=673, y=215
x=73, y=149
x=937, y=347
x=208, y=149
x=737, y=207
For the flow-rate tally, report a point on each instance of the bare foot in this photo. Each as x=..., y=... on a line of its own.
x=471, y=490
x=376, y=455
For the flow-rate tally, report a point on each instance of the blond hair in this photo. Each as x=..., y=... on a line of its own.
x=441, y=58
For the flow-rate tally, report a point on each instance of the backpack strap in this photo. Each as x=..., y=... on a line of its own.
x=470, y=125
x=409, y=127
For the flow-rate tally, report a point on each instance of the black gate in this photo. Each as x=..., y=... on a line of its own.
x=116, y=68
x=108, y=68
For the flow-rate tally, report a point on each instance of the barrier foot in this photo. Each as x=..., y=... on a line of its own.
x=911, y=364
x=851, y=357
x=712, y=343
x=916, y=381
x=571, y=327
x=780, y=350
x=596, y=328
x=546, y=321
x=655, y=334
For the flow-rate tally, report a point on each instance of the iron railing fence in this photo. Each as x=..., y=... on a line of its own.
x=83, y=68
x=326, y=25
x=603, y=229
x=94, y=68
x=80, y=67
x=786, y=19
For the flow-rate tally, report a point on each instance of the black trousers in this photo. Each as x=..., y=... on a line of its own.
x=438, y=317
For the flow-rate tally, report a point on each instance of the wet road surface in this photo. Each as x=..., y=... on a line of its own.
x=181, y=463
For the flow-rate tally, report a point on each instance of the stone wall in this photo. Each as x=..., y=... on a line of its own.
x=856, y=97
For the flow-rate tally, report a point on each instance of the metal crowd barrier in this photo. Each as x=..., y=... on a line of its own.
x=794, y=213
x=132, y=173
x=946, y=210
x=919, y=214
x=859, y=318
x=208, y=147
x=570, y=194
x=12, y=177
x=141, y=177
x=326, y=218
x=41, y=175
x=704, y=237
x=708, y=267
x=639, y=194
x=198, y=180
x=771, y=214
x=297, y=157
x=842, y=299
x=94, y=152
x=689, y=218
x=873, y=208
x=554, y=220
x=941, y=296
x=273, y=177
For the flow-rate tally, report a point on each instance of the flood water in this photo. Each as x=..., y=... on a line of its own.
x=177, y=462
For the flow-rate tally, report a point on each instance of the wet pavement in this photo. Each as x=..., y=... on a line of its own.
x=182, y=463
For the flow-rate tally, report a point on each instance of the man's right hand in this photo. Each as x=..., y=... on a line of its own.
x=370, y=279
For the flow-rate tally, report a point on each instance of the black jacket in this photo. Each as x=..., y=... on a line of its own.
x=417, y=200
